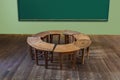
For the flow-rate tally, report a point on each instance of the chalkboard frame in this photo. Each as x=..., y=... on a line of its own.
x=89, y=20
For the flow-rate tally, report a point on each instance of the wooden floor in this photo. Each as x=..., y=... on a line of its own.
x=103, y=64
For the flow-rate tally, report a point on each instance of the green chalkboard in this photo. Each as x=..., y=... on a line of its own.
x=63, y=10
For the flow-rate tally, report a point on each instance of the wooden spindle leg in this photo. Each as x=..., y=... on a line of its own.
x=51, y=38
x=83, y=53
x=88, y=48
x=59, y=38
x=74, y=60
x=36, y=56
x=51, y=56
x=47, y=38
x=61, y=60
x=31, y=52
x=46, y=59
x=66, y=39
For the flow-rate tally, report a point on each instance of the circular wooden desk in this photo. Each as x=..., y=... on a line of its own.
x=81, y=41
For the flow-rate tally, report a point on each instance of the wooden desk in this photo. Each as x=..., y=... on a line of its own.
x=81, y=41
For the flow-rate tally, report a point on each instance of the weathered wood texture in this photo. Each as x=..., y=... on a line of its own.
x=103, y=62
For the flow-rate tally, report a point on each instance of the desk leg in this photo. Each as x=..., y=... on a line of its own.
x=46, y=59
x=51, y=56
x=36, y=56
x=47, y=38
x=66, y=39
x=61, y=60
x=59, y=38
x=74, y=60
x=31, y=52
x=88, y=48
x=83, y=53
x=51, y=38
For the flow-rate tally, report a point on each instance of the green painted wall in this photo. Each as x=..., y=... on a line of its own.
x=9, y=23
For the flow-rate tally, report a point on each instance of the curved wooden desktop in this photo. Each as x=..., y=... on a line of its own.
x=81, y=41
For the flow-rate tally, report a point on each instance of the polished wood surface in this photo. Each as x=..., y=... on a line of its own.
x=103, y=64
x=82, y=41
x=38, y=43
